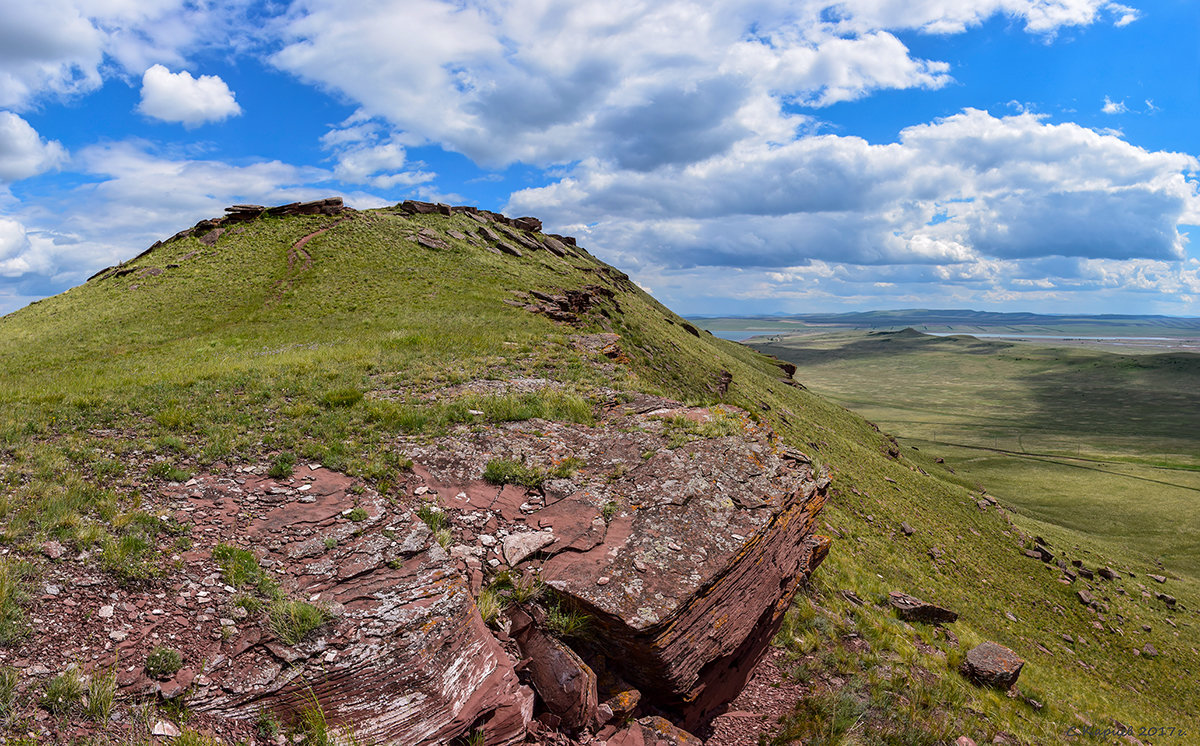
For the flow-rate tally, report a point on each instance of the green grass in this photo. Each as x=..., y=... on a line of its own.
x=197, y=369
x=567, y=622
x=163, y=662
x=9, y=678
x=13, y=593
x=293, y=621
x=507, y=471
x=282, y=465
x=239, y=567
x=64, y=693
x=101, y=695
x=166, y=471
x=1107, y=445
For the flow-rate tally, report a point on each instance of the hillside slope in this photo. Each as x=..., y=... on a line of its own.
x=345, y=339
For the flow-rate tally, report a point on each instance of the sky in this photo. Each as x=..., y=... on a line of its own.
x=733, y=156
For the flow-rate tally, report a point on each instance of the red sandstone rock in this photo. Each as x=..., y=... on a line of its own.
x=991, y=664
x=913, y=609
x=407, y=660
x=685, y=564
x=527, y=224
x=565, y=683
x=654, y=731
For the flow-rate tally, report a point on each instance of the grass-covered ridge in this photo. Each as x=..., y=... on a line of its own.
x=234, y=357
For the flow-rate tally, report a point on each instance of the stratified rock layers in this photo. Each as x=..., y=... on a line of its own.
x=406, y=658
x=685, y=563
x=704, y=644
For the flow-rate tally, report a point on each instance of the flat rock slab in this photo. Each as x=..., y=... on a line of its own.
x=518, y=547
x=913, y=609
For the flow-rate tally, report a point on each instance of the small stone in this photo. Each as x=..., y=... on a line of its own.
x=52, y=590
x=1157, y=578
x=964, y=741
x=165, y=729
x=519, y=547
x=118, y=636
x=52, y=549
x=906, y=529
x=604, y=580
x=1149, y=651
x=105, y=612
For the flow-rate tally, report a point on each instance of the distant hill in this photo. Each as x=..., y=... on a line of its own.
x=966, y=321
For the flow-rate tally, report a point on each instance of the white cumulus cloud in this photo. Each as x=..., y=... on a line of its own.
x=636, y=83
x=178, y=97
x=23, y=153
x=958, y=190
x=68, y=47
x=365, y=155
x=1114, y=107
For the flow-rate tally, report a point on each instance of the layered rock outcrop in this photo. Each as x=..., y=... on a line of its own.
x=683, y=558
x=678, y=535
x=674, y=537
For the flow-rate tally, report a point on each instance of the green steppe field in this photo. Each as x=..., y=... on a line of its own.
x=1104, y=444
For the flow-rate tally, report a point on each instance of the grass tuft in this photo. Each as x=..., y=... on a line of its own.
x=64, y=692
x=282, y=465
x=293, y=621
x=163, y=662
x=239, y=567
x=101, y=693
x=346, y=397
x=507, y=471
x=13, y=593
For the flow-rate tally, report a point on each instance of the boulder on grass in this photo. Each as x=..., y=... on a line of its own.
x=993, y=665
x=913, y=609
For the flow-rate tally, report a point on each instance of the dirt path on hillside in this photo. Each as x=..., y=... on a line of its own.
x=298, y=262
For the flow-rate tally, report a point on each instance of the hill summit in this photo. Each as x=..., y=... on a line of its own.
x=418, y=470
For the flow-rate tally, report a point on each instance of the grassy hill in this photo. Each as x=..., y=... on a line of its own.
x=260, y=346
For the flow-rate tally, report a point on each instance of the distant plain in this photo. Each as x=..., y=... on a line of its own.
x=1098, y=436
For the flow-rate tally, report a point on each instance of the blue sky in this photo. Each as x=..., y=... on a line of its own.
x=732, y=156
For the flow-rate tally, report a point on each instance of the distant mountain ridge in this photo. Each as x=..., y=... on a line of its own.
x=962, y=316
x=964, y=320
